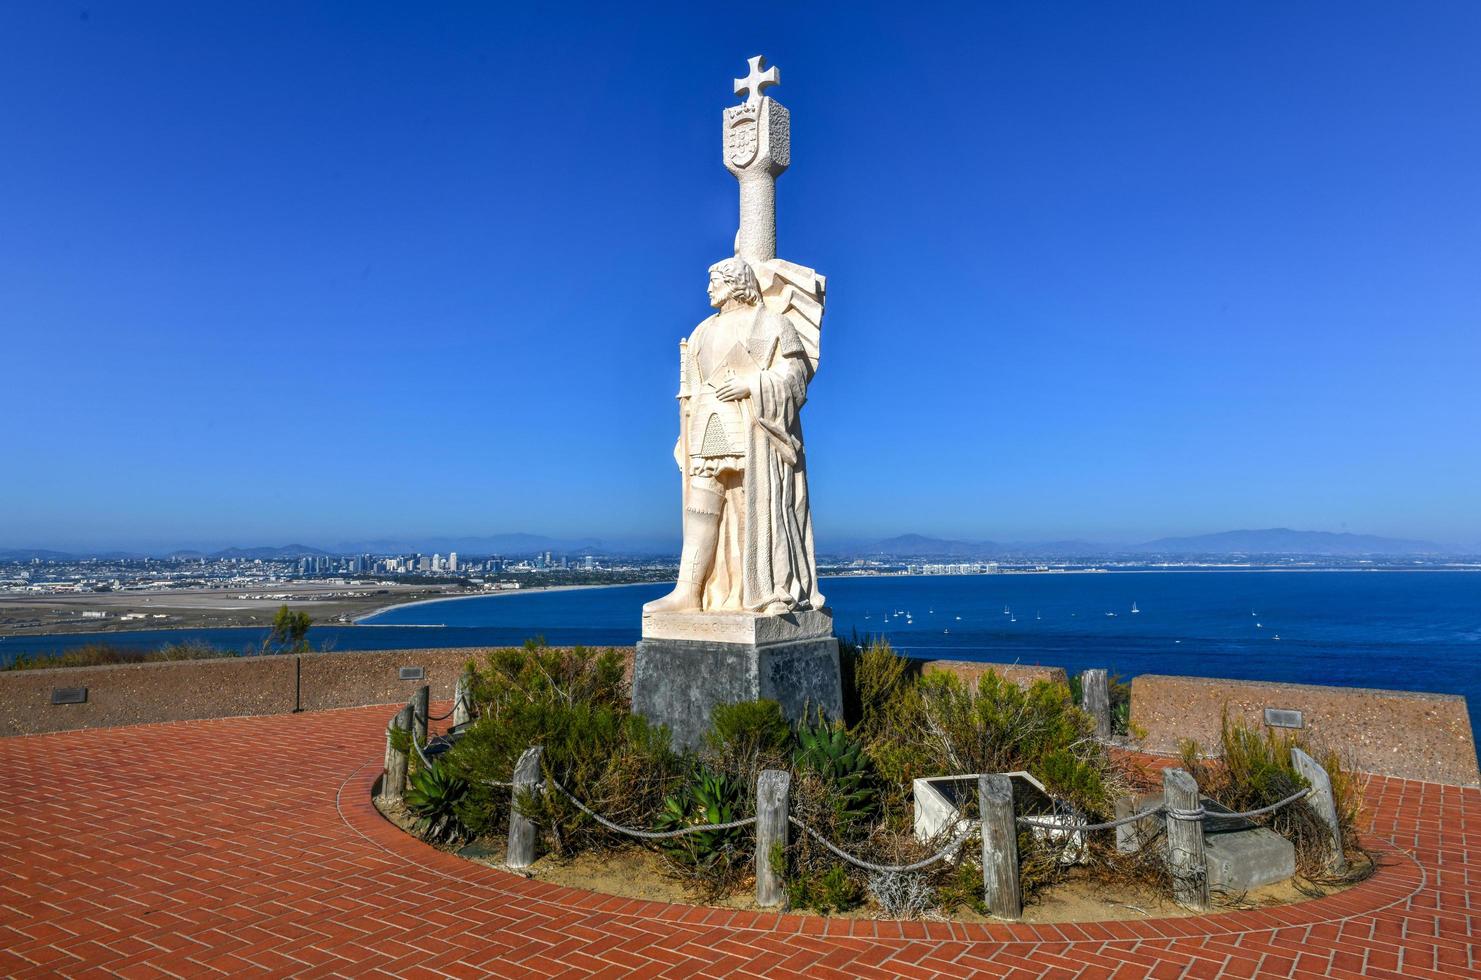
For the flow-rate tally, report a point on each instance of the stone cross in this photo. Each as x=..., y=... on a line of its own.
x=757, y=81
x=757, y=144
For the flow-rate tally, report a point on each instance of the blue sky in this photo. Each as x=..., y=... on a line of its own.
x=321, y=272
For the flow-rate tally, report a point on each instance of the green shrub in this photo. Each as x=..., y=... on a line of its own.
x=942, y=726
x=1255, y=770
x=834, y=890
x=573, y=703
x=745, y=738
x=289, y=633
x=433, y=795
x=833, y=754
x=709, y=859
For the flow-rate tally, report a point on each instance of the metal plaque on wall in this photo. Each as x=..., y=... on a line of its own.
x=1283, y=718
x=412, y=673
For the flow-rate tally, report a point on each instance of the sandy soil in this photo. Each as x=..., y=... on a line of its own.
x=640, y=874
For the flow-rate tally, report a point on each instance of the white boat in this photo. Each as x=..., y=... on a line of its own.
x=1111, y=614
x=1276, y=637
x=1037, y=617
x=959, y=619
x=1259, y=626
x=948, y=631
x=1134, y=609
x=1006, y=611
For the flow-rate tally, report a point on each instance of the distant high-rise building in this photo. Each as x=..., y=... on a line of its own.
x=452, y=561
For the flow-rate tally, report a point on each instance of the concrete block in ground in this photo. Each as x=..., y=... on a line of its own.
x=1240, y=860
x=678, y=682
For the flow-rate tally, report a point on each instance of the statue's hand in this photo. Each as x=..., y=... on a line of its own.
x=733, y=390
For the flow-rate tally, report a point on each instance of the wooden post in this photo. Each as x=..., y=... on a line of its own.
x=421, y=702
x=462, y=712
x=393, y=783
x=522, y=831
x=1324, y=803
x=1095, y=698
x=999, y=847
x=1185, y=841
x=773, y=793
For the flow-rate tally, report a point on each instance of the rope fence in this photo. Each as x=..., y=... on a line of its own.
x=1197, y=813
x=859, y=862
x=650, y=834
x=461, y=700
x=1181, y=807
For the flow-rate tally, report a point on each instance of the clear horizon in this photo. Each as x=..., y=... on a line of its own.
x=288, y=274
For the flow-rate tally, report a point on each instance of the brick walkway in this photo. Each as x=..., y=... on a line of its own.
x=248, y=846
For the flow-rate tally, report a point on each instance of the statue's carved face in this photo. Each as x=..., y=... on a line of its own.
x=720, y=290
x=733, y=279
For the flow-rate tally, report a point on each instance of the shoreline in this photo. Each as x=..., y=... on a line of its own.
x=358, y=620
x=102, y=635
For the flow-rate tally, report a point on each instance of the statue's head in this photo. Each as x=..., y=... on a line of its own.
x=733, y=279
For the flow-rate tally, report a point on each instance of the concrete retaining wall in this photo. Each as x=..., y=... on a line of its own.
x=1396, y=733
x=129, y=694
x=135, y=694
x=1392, y=733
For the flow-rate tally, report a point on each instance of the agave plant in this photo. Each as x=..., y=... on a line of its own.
x=432, y=794
x=839, y=758
x=708, y=798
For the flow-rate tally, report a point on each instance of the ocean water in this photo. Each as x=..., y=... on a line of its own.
x=1417, y=631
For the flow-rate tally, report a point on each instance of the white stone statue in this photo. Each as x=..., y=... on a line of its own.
x=744, y=372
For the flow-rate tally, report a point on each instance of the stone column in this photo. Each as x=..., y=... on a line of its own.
x=462, y=710
x=773, y=792
x=999, y=847
x=1324, y=803
x=421, y=703
x=758, y=147
x=523, y=833
x=1095, y=698
x=393, y=783
x=1185, y=841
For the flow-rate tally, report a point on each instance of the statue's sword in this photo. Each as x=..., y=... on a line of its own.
x=683, y=399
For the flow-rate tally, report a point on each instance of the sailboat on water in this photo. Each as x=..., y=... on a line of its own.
x=1134, y=609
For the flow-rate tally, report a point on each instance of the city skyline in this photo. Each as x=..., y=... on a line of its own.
x=1159, y=274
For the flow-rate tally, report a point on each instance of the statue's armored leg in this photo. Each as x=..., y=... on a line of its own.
x=701, y=536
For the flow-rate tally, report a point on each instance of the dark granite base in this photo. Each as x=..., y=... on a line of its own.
x=677, y=682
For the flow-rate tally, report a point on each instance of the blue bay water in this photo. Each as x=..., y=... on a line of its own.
x=1416, y=631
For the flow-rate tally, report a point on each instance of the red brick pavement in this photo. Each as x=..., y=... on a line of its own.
x=248, y=846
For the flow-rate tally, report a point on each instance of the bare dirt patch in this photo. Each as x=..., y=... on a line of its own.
x=639, y=873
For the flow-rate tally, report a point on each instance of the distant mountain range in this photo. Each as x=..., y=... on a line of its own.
x=1284, y=541
x=1271, y=541
x=489, y=544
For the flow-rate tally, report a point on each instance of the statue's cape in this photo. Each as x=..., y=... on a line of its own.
x=798, y=293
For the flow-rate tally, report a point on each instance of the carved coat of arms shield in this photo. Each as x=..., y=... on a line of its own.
x=741, y=140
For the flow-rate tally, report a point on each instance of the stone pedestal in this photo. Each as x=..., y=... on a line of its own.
x=689, y=662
